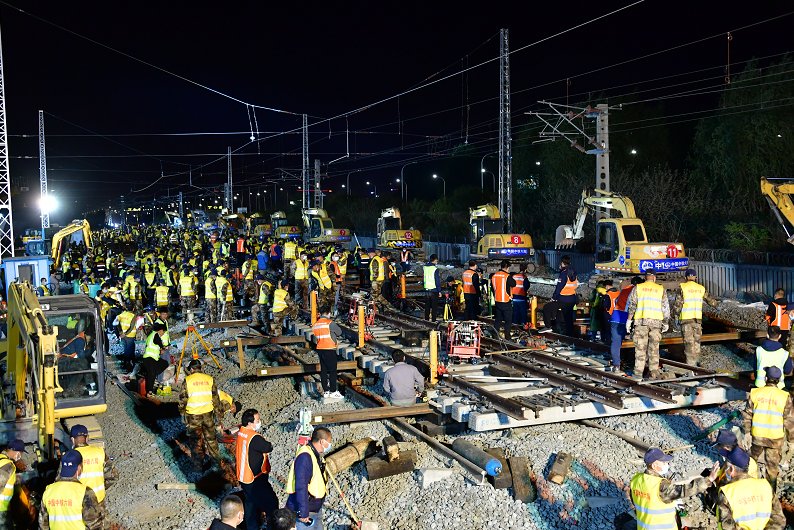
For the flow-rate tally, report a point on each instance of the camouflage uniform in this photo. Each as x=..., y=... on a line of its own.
x=92, y=515
x=376, y=294
x=691, y=328
x=5, y=473
x=777, y=521
x=211, y=310
x=278, y=318
x=302, y=291
x=669, y=492
x=202, y=424
x=111, y=475
x=771, y=449
x=646, y=336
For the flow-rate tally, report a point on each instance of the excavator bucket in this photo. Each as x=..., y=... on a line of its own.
x=564, y=237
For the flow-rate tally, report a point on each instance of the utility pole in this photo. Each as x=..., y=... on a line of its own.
x=43, y=203
x=6, y=218
x=305, y=175
x=566, y=115
x=318, y=189
x=505, y=138
x=181, y=208
x=229, y=194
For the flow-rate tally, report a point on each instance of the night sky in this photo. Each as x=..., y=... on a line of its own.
x=325, y=60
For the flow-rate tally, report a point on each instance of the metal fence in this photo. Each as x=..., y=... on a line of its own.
x=749, y=257
x=726, y=279
x=446, y=252
x=582, y=263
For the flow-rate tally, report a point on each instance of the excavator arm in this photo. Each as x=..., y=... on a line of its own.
x=567, y=235
x=779, y=198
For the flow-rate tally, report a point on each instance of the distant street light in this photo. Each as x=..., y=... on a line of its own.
x=633, y=151
x=444, y=181
x=483, y=171
x=374, y=186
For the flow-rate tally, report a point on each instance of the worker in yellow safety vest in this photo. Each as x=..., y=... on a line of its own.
x=688, y=307
x=300, y=271
x=306, y=497
x=210, y=298
x=283, y=307
x=653, y=495
x=200, y=407
x=325, y=282
x=98, y=471
x=259, y=308
x=648, y=311
x=725, y=443
x=377, y=275
x=161, y=296
x=746, y=502
x=187, y=292
x=68, y=504
x=8, y=477
x=767, y=421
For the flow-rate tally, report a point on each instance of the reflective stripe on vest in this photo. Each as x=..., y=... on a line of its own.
x=186, y=286
x=429, y=277
x=289, y=250
x=781, y=319
x=343, y=266
x=322, y=277
x=499, y=282
x=649, y=301
x=652, y=513
x=468, y=282
x=161, y=295
x=280, y=300
x=693, y=301
x=93, y=474
x=404, y=255
x=322, y=332
x=317, y=485
x=263, y=292
x=520, y=288
x=337, y=271
x=766, y=358
x=769, y=403
x=613, y=300
x=750, y=500
x=125, y=319
x=381, y=269
x=301, y=270
x=151, y=350
x=199, y=393
x=570, y=287
x=63, y=501
x=225, y=291
x=244, y=472
x=209, y=289
x=8, y=489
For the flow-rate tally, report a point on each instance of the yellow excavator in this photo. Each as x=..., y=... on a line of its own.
x=391, y=234
x=319, y=228
x=55, y=352
x=258, y=226
x=78, y=231
x=281, y=227
x=622, y=248
x=488, y=239
x=779, y=198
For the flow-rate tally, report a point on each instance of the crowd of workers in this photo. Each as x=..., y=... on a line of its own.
x=173, y=270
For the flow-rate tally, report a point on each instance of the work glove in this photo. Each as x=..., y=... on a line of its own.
x=629, y=323
x=665, y=327
x=747, y=441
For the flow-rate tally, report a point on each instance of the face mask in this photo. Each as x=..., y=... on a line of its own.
x=665, y=469
x=327, y=448
x=336, y=258
x=257, y=426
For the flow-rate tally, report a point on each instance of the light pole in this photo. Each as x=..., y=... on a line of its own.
x=374, y=186
x=402, y=180
x=445, y=183
x=483, y=171
x=348, y=180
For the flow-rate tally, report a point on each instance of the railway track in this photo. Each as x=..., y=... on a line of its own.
x=555, y=379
